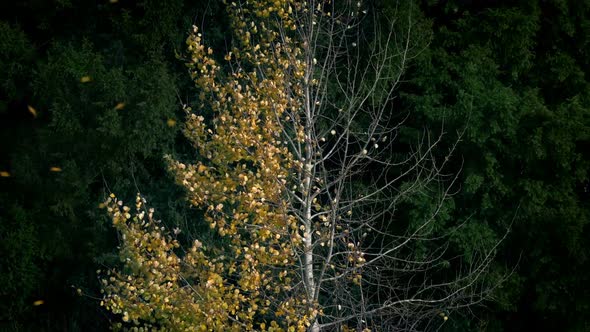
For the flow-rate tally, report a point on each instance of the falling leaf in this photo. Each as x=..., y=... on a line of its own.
x=32, y=110
x=55, y=169
x=85, y=79
x=171, y=122
x=38, y=303
x=4, y=174
x=120, y=106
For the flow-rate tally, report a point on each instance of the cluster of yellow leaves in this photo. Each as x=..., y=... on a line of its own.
x=159, y=290
x=240, y=182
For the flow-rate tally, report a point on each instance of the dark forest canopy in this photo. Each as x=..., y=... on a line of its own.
x=91, y=96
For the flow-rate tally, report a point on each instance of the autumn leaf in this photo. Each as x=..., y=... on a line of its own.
x=32, y=110
x=85, y=79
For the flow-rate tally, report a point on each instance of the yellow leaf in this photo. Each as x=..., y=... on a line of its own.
x=120, y=106
x=55, y=169
x=85, y=79
x=171, y=122
x=38, y=303
x=4, y=174
x=201, y=168
x=32, y=110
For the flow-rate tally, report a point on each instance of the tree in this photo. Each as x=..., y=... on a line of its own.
x=289, y=126
x=515, y=74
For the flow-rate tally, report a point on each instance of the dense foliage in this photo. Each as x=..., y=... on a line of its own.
x=514, y=77
x=90, y=96
x=238, y=180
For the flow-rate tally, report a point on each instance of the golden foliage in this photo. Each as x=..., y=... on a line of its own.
x=240, y=183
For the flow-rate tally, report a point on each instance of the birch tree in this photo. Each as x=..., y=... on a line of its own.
x=295, y=173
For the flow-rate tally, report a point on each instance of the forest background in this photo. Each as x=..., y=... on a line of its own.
x=90, y=101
